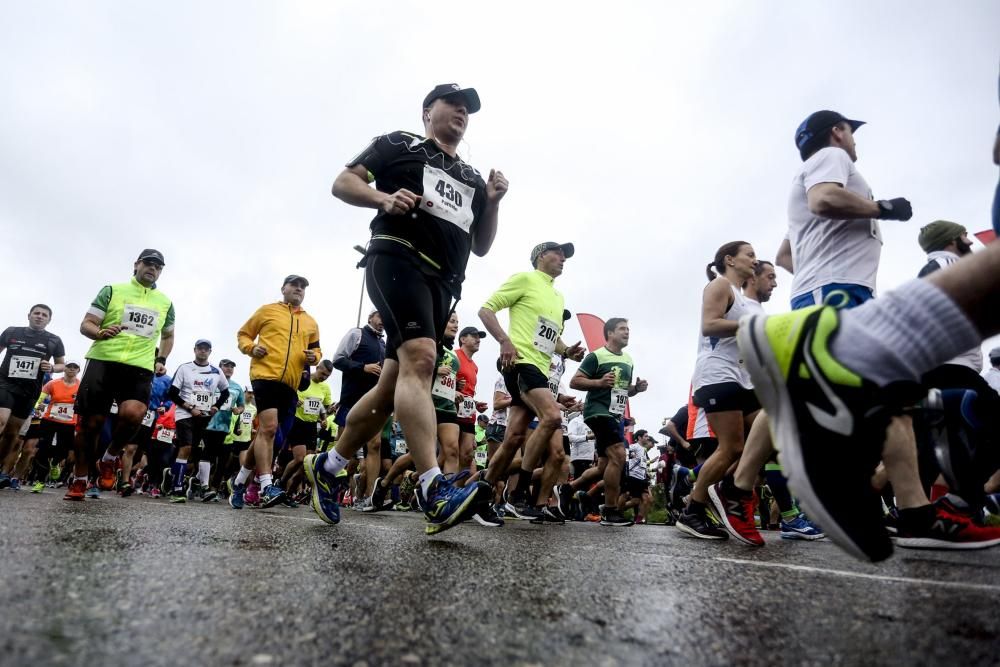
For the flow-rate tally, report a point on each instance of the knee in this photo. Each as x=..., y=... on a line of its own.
x=268, y=429
x=419, y=358
x=552, y=419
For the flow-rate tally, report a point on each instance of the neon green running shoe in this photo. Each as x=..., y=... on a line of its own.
x=38, y=487
x=55, y=472
x=827, y=422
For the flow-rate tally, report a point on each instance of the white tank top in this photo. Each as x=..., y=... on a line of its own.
x=719, y=358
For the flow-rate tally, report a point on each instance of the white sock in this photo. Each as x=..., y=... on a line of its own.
x=243, y=475
x=78, y=477
x=108, y=457
x=204, y=470
x=334, y=463
x=902, y=335
x=265, y=481
x=427, y=478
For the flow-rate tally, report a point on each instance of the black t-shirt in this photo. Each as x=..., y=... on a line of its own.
x=25, y=350
x=680, y=421
x=453, y=197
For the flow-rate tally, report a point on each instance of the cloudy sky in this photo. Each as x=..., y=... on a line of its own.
x=647, y=133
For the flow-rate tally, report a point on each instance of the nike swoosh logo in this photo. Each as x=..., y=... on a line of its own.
x=841, y=420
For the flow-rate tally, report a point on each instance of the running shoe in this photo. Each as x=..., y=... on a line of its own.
x=38, y=487
x=154, y=492
x=289, y=502
x=697, y=525
x=124, y=489
x=800, y=528
x=93, y=492
x=167, y=484
x=736, y=511
x=583, y=500
x=524, y=511
x=236, y=492
x=77, y=490
x=952, y=528
x=324, y=488
x=4, y=481
x=563, y=493
x=208, y=495
x=379, y=499
x=611, y=516
x=551, y=514
x=447, y=505
x=15, y=484
x=488, y=517
x=107, y=474
x=252, y=495
x=271, y=496
x=178, y=496
x=821, y=415
x=953, y=423
x=193, y=488
x=55, y=472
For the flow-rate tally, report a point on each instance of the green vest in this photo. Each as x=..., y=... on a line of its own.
x=147, y=310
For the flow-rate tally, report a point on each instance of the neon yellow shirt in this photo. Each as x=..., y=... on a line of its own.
x=317, y=398
x=536, y=315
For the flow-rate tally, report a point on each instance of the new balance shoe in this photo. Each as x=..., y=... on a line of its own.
x=107, y=475
x=610, y=516
x=324, y=488
x=736, y=512
x=696, y=524
x=77, y=490
x=952, y=528
x=821, y=415
x=800, y=528
x=447, y=505
x=236, y=492
x=271, y=496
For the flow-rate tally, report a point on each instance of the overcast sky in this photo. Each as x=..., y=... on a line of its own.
x=648, y=134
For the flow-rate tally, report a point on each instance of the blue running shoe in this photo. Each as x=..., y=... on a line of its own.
x=447, y=505
x=800, y=528
x=271, y=496
x=4, y=481
x=236, y=492
x=324, y=488
x=15, y=484
x=94, y=492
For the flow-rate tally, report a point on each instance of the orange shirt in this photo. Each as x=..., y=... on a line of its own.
x=62, y=398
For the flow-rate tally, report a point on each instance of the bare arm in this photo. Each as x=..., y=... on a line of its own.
x=166, y=343
x=486, y=230
x=672, y=431
x=501, y=401
x=784, y=256
x=715, y=303
x=581, y=382
x=91, y=328
x=351, y=187
x=832, y=200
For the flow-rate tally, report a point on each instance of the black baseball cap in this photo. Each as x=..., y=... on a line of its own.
x=815, y=125
x=203, y=342
x=471, y=331
x=228, y=362
x=472, y=104
x=294, y=278
x=149, y=253
x=567, y=249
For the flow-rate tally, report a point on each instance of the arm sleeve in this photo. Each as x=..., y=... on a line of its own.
x=588, y=366
x=348, y=345
x=508, y=294
x=99, y=306
x=168, y=322
x=223, y=397
x=829, y=165
x=175, y=394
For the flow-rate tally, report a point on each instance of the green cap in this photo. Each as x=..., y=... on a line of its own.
x=938, y=234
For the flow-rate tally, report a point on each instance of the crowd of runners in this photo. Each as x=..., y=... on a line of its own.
x=856, y=418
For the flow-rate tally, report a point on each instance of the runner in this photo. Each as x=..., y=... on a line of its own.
x=536, y=322
x=282, y=340
x=22, y=371
x=721, y=388
x=606, y=376
x=313, y=403
x=216, y=435
x=142, y=443
x=433, y=210
x=55, y=433
x=469, y=340
x=359, y=357
x=125, y=321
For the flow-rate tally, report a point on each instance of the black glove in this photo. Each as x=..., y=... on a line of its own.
x=894, y=209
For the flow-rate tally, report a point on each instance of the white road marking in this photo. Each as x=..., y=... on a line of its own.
x=986, y=588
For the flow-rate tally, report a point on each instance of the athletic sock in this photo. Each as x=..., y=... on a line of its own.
x=426, y=479
x=178, y=469
x=334, y=463
x=108, y=457
x=904, y=334
x=265, y=481
x=243, y=475
x=779, y=489
x=204, y=472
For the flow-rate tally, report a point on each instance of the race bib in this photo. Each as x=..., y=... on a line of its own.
x=62, y=412
x=546, y=333
x=114, y=408
x=23, y=368
x=246, y=418
x=149, y=418
x=447, y=199
x=619, y=397
x=482, y=458
x=401, y=446
x=165, y=435
x=201, y=400
x=312, y=406
x=467, y=408
x=139, y=321
x=444, y=386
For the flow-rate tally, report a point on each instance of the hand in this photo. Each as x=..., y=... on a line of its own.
x=641, y=385
x=259, y=351
x=895, y=209
x=575, y=351
x=566, y=401
x=195, y=412
x=608, y=380
x=482, y=406
x=399, y=202
x=373, y=369
x=213, y=410
x=45, y=366
x=577, y=407
x=109, y=332
x=443, y=371
x=311, y=357
x=159, y=368
x=496, y=186
x=508, y=354
x=160, y=410
x=461, y=384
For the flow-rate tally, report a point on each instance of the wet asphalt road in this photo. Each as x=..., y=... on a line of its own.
x=142, y=582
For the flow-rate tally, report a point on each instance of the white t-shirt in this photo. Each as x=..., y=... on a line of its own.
x=499, y=417
x=719, y=359
x=637, y=460
x=199, y=386
x=581, y=446
x=826, y=251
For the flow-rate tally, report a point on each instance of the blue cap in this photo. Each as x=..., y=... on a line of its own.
x=816, y=124
x=203, y=342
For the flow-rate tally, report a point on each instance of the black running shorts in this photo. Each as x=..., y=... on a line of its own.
x=635, y=487
x=191, y=430
x=106, y=382
x=608, y=432
x=726, y=397
x=302, y=433
x=274, y=395
x=522, y=378
x=14, y=399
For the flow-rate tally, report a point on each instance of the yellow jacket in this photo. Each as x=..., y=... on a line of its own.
x=287, y=332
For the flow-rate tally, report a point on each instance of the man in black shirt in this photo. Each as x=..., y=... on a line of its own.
x=28, y=351
x=433, y=210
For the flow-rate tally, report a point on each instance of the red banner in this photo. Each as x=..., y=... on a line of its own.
x=987, y=236
x=593, y=335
